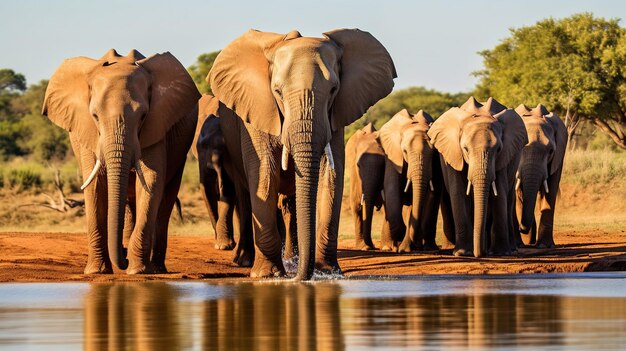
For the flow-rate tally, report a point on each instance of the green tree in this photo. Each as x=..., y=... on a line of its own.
x=11, y=84
x=200, y=70
x=576, y=66
x=413, y=99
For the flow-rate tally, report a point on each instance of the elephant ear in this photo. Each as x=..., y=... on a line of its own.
x=66, y=101
x=523, y=110
x=560, y=140
x=423, y=118
x=493, y=107
x=390, y=136
x=240, y=78
x=514, y=137
x=173, y=96
x=445, y=135
x=207, y=106
x=367, y=73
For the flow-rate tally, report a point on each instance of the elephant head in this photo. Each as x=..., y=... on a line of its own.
x=209, y=146
x=406, y=142
x=481, y=139
x=116, y=106
x=541, y=158
x=302, y=89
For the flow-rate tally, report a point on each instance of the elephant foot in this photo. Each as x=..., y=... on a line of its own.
x=327, y=268
x=364, y=246
x=431, y=247
x=225, y=244
x=98, y=267
x=244, y=257
x=500, y=252
x=266, y=269
x=159, y=268
x=139, y=268
x=389, y=247
x=545, y=245
x=408, y=247
x=463, y=253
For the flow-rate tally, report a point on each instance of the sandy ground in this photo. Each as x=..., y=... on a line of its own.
x=53, y=257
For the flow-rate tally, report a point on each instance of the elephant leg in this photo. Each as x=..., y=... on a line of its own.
x=533, y=233
x=429, y=223
x=208, y=189
x=288, y=212
x=244, y=249
x=330, y=194
x=447, y=218
x=225, y=208
x=260, y=156
x=163, y=219
x=357, y=212
x=456, y=184
x=545, y=230
x=396, y=229
x=96, y=212
x=499, y=243
x=148, y=204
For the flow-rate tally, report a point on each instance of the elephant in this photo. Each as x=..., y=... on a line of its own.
x=480, y=146
x=131, y=121
x=539, y=172
x=365, y=161
x=218, y=190
x=296, y=94
x=412, y=163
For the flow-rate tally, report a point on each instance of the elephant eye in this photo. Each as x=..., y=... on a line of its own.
x=95, y=116
x=279, y=93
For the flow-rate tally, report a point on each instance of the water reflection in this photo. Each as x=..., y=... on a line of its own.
x=414, y=314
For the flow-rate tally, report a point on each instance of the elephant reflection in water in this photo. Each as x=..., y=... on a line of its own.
x=133, y=316
x=467, y=321
x=278, y=317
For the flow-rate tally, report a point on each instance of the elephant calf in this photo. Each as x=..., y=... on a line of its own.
x=539, y=172
x=124, y=113
x=365, y=160
x=412, y=177
x=218, y=190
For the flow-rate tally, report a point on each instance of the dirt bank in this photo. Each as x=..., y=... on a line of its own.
x=54, y=257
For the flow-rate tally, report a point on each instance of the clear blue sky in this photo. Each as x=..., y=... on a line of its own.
x=433, y=43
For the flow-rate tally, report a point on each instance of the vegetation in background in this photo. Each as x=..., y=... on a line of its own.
x=576, y=66
x=201, y=69
x=413, y=99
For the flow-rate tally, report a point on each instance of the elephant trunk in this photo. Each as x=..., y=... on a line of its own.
x=482, y=186
x=371, y=187
x=307, y=164
x=118, y=164
x=530, y=187
x=419, y=187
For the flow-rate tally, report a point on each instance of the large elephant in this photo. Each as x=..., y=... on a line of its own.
x=539, y=172
x=480, y=147
x=218, y=190
x=126, y=115
x=412, y=164
x=296, y=94
x=365, y=160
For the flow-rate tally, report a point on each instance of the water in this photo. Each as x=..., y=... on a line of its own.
x=555, y=312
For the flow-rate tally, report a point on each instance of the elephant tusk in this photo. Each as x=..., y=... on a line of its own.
x=518, y=183
x=493, y=186
x=92, y=175
x=382, y=195
x=545, y=186
x=284, y=161
x=362, y=199
x=142, y=180
x=406, y=187
x=329, y=156
x=430, y=183
x=469, y=187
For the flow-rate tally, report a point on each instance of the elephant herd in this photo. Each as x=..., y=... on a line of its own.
x=270, y=150
x=483, y=166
